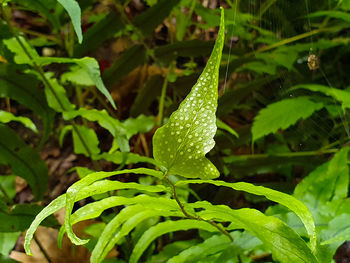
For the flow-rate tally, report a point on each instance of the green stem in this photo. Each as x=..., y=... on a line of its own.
x=292, y=154
x=292, y=39
x=195, y=217
x=47, y=83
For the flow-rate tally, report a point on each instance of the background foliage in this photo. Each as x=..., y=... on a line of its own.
x=84, y=86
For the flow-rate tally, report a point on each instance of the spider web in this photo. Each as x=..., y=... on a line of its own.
x=265, y=15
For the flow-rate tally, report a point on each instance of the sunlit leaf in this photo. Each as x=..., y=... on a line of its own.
x=181, y=144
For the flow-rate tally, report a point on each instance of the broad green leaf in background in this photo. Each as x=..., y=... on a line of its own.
x=85, y=141
x=6, y=117
x=340, y=95
x=73, y=9
x=166, y=227
x=127, y=62
x=19, y=218
x=181, y=144
x=152, y=17
x=146, y=95
x=103, y=30
x=283, y=114
x=23, y=88
x=24, y=161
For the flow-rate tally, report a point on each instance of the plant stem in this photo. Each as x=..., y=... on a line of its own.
x=292, y=39
x=47, y=83
x=38, y=34
x=42, y=249
x=291, y=154
x=195, y=217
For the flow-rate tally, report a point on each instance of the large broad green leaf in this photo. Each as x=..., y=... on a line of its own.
x=152, y=17
x=166, y=227
x=148, y=93
x=327, y=182
x=340, y=95
x=6, y=117
x=104, y=29
x=24, y=161
x=181, y=144
x=191, y=48
x=283, y=114
x=73, y=9
x=127, y=62
x=289, y=201
x=23, y=88
x=19, y=218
